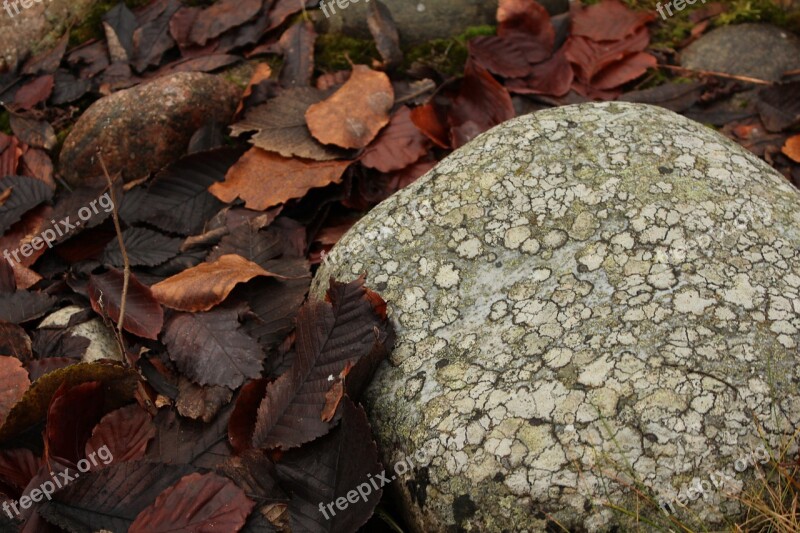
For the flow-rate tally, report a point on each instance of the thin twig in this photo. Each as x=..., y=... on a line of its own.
x=126, y=272
x=717, y=74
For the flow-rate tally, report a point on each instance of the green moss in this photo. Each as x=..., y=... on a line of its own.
x=5, y=122
x=446, y=55
x=740, y=11
x=91, y=27
x=333, y=50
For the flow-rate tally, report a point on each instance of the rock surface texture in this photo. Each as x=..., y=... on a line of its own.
x=143, y=129
x=584, y=295
x=739, y=50
x=37, y=27
x=419, y=21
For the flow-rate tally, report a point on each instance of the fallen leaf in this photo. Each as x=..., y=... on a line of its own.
x=15, y=342
x=222, y=16
x=297, y=44
x=608, y=20
x=211, y=348
x=263, y=179
x=125, y=432
x=792, y=148
x=145, y=247
x=353, y=115
x=433, y=123
x=481, y=104
x=34, y=92
x=13, y=384
x=143, y=314
x=552, y=77
x=281, y=125
x=384, y=31
x=199, y=402
x=198, y=502
x=399, y=145
x=72, y=414
x=26, y=193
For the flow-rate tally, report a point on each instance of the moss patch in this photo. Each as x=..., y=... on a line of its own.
x=446, y=55
x=333, y=50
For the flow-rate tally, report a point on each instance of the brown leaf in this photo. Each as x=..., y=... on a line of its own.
x=609, y=20
x=297, y=44
x=263, y=179
x=38, y=133
x=198, y=502
x=261, y=73
x=222, y=16
x=198, y=402
x=354, y=115
x=37, y=164
x=433, y=123
x=621, y=72
x=481, y=104
x=384, y=30
x=552, y=77
x=202, y=287
x=399, y=145
x=526, y=20
x=143, y=314
x=504, y=56
x=281, y=125
x=126, y=432
x=34, y=92
x=15, y=342
x=243, y=417
x=13, y=384
x=792, y=148
x=331, y=336
x=211, y=348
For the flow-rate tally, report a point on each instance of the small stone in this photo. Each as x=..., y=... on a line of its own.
x=556, y=342
x=102, y=342
x=758, y=51
x=143, y=129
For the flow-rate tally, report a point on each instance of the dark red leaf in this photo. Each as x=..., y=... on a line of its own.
x=14, y=341
x=14, y=382
x=125, y=432
x=399, y=145
x=330, y=336
x=433, y=123
x=143, y=314
x=72, y=414
x=211, y=349
x=608, y=20
x=34, y=92
x=526, y=20
x=198, y=502
x=481, y=104
x=18, y=467
x=243, y=418
x=181, y=440
x=552, y=77
x=222, y=16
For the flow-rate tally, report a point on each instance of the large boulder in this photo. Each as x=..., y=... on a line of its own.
x=143, y=129
x=418, y=21
x=26, y=31
x=759, y=51
x=587, y=299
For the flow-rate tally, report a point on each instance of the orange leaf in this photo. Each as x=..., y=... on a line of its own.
x=792, y=148
x=202, y=287
x=354, y=114
x=263, y=179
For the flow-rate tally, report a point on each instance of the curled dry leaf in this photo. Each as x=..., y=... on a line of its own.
x=354, y=115
x=206, y=285
x=143, y=314
x=263, y=179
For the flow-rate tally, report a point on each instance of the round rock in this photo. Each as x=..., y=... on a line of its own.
x=143, y=129
x=756, y=50
x=584, y=297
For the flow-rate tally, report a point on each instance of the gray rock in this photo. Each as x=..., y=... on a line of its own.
x=585, y=295
x=143, y=129
x=756, y=50
x=419, y=21
x=37, y=28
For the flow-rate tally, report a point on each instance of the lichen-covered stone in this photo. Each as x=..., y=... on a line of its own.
x=586, y=298
x=143, y=129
